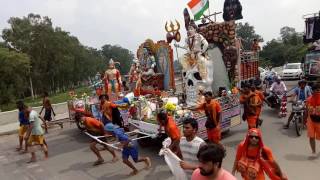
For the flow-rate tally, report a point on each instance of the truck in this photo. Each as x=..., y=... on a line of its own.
x=311, y=61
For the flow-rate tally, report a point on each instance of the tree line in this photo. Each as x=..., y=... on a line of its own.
x=287, y=48
x=35, y=55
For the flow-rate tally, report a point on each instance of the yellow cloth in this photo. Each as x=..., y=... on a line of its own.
x=35, y=139
x=22, y=130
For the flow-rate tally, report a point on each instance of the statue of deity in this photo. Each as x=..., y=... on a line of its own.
x=112, y=79
x=133, y=74
x=147, y=63
x=196, y=46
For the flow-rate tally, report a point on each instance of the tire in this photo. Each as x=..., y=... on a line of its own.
x=80, y=126
x=299, y=125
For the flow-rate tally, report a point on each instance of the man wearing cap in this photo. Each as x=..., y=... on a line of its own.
x=129, y=148
x=96, y=128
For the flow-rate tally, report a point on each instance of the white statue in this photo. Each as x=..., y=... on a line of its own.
x=196, y=46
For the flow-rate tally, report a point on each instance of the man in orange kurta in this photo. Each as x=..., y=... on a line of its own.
x=252, y=106
x=171, y=130
x=213, y=111
x=313, y=121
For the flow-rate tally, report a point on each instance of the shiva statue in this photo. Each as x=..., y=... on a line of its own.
x=196, y=46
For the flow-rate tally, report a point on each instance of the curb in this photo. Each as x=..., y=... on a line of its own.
x=15, y=131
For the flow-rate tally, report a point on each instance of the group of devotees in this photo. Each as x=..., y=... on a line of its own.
x=201, y=160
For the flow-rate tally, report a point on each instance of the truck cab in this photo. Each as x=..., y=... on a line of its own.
x=311, y=66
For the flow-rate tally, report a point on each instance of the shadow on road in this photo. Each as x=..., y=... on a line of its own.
x=300, y=157
x=232, y=144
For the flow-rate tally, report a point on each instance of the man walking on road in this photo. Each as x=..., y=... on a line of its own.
x=46, y=105
x=190, y=145
x=313, y=122
x=213, y=111
x=24, y=125
x=35, y=134
x=171, y=130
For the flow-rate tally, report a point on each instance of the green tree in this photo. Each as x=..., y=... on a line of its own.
x=14, y=68
x=119, y=54
x=247, y=33
x=58, y=60
x=289, y=48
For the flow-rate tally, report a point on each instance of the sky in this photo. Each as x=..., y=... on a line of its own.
x=129, y=22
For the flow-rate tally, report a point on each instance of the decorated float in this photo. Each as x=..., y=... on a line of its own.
x=214, y=61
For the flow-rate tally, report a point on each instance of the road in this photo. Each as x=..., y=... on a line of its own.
x=71, y=158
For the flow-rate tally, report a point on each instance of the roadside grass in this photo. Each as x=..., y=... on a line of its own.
x=54, y=98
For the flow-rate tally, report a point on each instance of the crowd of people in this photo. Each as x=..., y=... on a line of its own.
x=199, y=159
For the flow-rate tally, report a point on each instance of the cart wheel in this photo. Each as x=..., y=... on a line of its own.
x=80, y=126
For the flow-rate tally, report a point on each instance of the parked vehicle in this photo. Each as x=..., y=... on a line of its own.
x=311, y=66
x=291, y=71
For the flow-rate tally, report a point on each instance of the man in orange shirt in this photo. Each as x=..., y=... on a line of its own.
x=109, y=109
x=251, y=102
x=96, y=128
x=213, y=110
x=313, y=121
x=259, y=92
x=171, y=130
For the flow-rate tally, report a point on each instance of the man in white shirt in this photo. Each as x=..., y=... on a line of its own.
x=35, y=134
x=278, y=86
x=190, y=145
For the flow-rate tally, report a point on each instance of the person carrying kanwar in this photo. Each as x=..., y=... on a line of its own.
x=253, y=158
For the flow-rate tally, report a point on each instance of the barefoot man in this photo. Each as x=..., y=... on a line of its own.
x=35, y=134
x=95, y=128
x=129, y=148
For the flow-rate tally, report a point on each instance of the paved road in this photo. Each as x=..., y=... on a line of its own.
x=71, y=158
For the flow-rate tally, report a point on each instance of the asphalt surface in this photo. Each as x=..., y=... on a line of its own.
x=71, y=158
